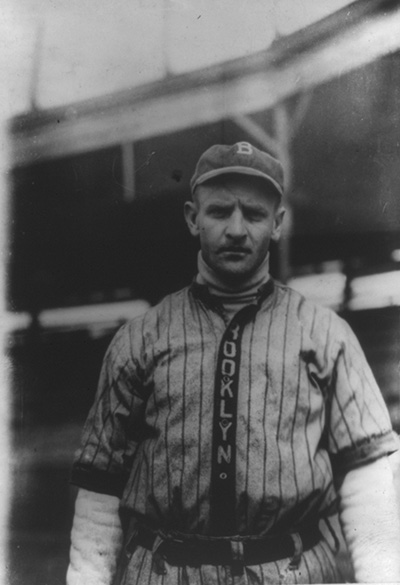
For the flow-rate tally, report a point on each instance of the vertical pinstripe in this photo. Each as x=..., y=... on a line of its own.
x=153, y=460
x=199, y=437
x=167, y=451
x=283, y=391
x=265, y=434
x=306, y=398
x=248, y=435
x=293, y=432
x=183, y=441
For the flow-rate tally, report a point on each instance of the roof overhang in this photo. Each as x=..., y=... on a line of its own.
x=356, y=35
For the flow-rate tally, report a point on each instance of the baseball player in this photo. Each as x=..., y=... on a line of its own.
x=234, y=419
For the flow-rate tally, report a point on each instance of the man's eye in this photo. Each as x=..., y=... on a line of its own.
x=218, y=212
x=255, y=215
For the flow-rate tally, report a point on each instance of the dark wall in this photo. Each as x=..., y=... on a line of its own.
x=346, y=156
x=77, y=236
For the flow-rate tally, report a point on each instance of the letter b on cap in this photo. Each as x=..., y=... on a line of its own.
x=244, y=148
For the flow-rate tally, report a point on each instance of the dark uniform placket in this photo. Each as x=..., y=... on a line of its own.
x=223, y=468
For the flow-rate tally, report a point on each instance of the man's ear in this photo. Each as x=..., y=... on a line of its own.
x=276, y=232
x=191, y=211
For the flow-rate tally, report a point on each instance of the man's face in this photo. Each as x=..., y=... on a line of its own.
x=235, y=218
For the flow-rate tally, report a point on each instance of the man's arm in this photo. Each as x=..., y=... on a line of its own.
x=370, y=518
x=96, y=539
x=103, y=463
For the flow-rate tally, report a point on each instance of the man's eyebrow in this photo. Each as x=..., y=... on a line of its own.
x=254, y=207
x=218, y=204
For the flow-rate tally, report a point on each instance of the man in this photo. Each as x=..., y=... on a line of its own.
x=233, y=419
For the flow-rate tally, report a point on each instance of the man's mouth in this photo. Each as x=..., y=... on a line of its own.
x=234, y=250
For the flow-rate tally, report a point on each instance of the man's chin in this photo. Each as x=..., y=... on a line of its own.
x=234, y=275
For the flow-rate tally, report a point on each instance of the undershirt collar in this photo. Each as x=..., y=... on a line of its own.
x=232, y=298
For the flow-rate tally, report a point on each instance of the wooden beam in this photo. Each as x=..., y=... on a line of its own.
x=351, y=38
x=258, y=133
x=128, y=171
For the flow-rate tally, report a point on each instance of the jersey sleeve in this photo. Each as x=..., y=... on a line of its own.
x=360, y=429
x=112, y=429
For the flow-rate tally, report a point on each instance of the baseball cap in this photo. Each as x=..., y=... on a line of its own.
x=241, y=158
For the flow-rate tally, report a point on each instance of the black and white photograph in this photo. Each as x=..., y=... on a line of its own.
x=200, y=292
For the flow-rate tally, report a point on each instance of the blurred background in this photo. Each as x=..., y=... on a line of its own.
x=107, y=107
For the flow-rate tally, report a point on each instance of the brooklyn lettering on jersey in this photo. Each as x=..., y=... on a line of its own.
x=223, y=475
x=226, y=442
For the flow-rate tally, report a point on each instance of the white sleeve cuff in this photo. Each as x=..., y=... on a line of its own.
x=96, y=539
x=370, y=518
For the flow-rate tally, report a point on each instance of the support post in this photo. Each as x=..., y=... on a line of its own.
x=128, y=171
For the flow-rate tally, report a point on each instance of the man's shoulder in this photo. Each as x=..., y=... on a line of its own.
x=170, y=302
x=168, y=305
x=305, y=307
x=136, y=331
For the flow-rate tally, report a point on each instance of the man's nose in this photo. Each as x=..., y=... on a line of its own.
x=236, y=227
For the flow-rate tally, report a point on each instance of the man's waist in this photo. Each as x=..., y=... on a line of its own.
x=191, y=549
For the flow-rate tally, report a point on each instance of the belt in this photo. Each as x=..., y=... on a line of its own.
x=194, y=550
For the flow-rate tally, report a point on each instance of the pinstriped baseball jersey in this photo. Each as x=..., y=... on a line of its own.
x=308, y=408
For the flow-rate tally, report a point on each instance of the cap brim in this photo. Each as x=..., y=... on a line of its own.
x=238, y=171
